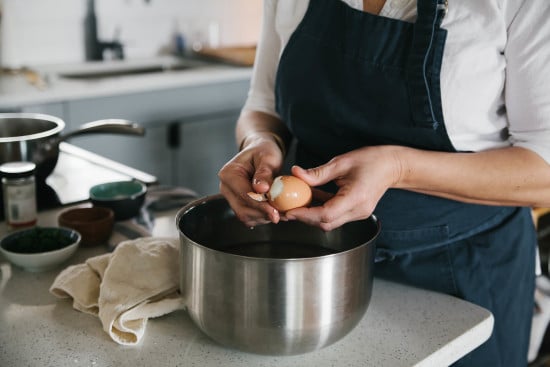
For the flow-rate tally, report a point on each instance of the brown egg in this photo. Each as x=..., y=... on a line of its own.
x=289, y=192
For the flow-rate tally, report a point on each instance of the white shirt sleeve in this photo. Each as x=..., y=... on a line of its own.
x=527, y=89
x=261, y=96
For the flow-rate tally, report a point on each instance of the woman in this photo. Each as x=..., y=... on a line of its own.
x=434, y=117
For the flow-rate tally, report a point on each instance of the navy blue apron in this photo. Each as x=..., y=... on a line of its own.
x=348, y=79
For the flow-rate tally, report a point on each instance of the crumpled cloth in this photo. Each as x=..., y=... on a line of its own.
x=138, y=281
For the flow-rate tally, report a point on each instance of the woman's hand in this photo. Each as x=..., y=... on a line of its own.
x=505, y=176
x=362, y=177
x=252, y=169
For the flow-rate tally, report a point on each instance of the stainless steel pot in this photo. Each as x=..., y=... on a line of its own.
x=36, y=137
x=276, y=289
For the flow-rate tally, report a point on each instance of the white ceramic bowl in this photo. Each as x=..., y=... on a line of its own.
x=40, y=248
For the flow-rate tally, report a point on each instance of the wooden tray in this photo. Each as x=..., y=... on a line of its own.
x=242, y=56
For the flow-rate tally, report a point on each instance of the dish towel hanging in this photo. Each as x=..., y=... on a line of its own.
x=137, y=281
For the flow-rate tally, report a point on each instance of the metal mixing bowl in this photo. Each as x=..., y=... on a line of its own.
x=276, y=289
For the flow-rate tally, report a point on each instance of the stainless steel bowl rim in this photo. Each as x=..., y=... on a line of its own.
x=44, y=134
x=195, y=203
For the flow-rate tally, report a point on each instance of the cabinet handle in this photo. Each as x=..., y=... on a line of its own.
x=173, y=135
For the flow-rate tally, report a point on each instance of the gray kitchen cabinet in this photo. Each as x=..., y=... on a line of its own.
x=189, y=131
x=54, y=109
x=205, y=145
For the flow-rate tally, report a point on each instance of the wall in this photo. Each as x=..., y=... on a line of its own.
x=35, y=32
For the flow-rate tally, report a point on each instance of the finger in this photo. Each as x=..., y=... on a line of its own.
x=250, y=218
x=271, y=213
x=233, y=183
x=267, y=164
x=235, y=177
x=247, y=210
x=261, y=182
x=320, y=196
x=317, y=216
x=263, y=177
x=332, y=214
x=319, y=175
x=253, y=213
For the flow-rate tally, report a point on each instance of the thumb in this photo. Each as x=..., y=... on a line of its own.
x=315, y=176
x=263, y=177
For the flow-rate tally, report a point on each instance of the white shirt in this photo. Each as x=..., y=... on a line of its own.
x=495, y=77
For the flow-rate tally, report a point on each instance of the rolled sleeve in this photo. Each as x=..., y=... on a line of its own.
x=261, y=96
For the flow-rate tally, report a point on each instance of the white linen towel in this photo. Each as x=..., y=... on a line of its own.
x=138, y=281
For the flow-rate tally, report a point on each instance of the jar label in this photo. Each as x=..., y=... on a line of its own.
x=20, y=204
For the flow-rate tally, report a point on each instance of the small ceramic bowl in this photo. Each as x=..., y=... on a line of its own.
x=124, y=198
x=40, y=248
x=94, y=224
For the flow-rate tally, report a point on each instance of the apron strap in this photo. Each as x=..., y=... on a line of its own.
x=424, y=64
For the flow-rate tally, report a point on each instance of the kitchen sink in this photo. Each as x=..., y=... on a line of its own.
x=98, y=70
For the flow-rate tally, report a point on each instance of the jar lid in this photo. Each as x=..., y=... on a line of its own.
x=17, y=169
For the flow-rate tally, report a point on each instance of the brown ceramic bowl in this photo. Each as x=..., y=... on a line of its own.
x=95, y=224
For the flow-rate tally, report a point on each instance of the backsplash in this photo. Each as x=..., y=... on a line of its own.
x=36, y=32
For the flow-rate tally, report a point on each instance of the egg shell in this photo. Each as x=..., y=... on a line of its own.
x=289, y=192
x=256, y=196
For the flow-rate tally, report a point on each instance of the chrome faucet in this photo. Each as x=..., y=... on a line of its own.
x=94, y=47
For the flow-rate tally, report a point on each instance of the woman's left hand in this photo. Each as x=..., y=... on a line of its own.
x=362, y=177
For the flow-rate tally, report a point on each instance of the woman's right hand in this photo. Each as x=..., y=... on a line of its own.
x=252, y=170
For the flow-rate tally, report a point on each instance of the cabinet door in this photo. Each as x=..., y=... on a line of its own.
x=54, y=109
x=160, y=153
x=205, y=145
x=149, y=153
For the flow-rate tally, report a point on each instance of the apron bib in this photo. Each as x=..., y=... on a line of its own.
x=349, y=79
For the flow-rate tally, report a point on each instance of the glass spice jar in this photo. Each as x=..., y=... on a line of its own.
x=19, y=193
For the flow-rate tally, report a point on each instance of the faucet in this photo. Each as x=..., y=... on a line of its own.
x=94, y=47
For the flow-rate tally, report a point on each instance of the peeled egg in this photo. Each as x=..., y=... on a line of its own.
x=289, y=192
x=286, y=192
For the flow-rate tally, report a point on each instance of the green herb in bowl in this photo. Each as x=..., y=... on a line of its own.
x=40, y=248
x=39, y=239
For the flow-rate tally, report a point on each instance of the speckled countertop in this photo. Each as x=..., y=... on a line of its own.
x=402, y=327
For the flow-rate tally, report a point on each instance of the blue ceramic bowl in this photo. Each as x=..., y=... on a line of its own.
x=124, y=198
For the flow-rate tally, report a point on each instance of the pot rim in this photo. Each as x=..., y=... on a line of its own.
x=205, y=199
x=37, y=116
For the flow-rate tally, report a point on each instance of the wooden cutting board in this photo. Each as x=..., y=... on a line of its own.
x=242, y=55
